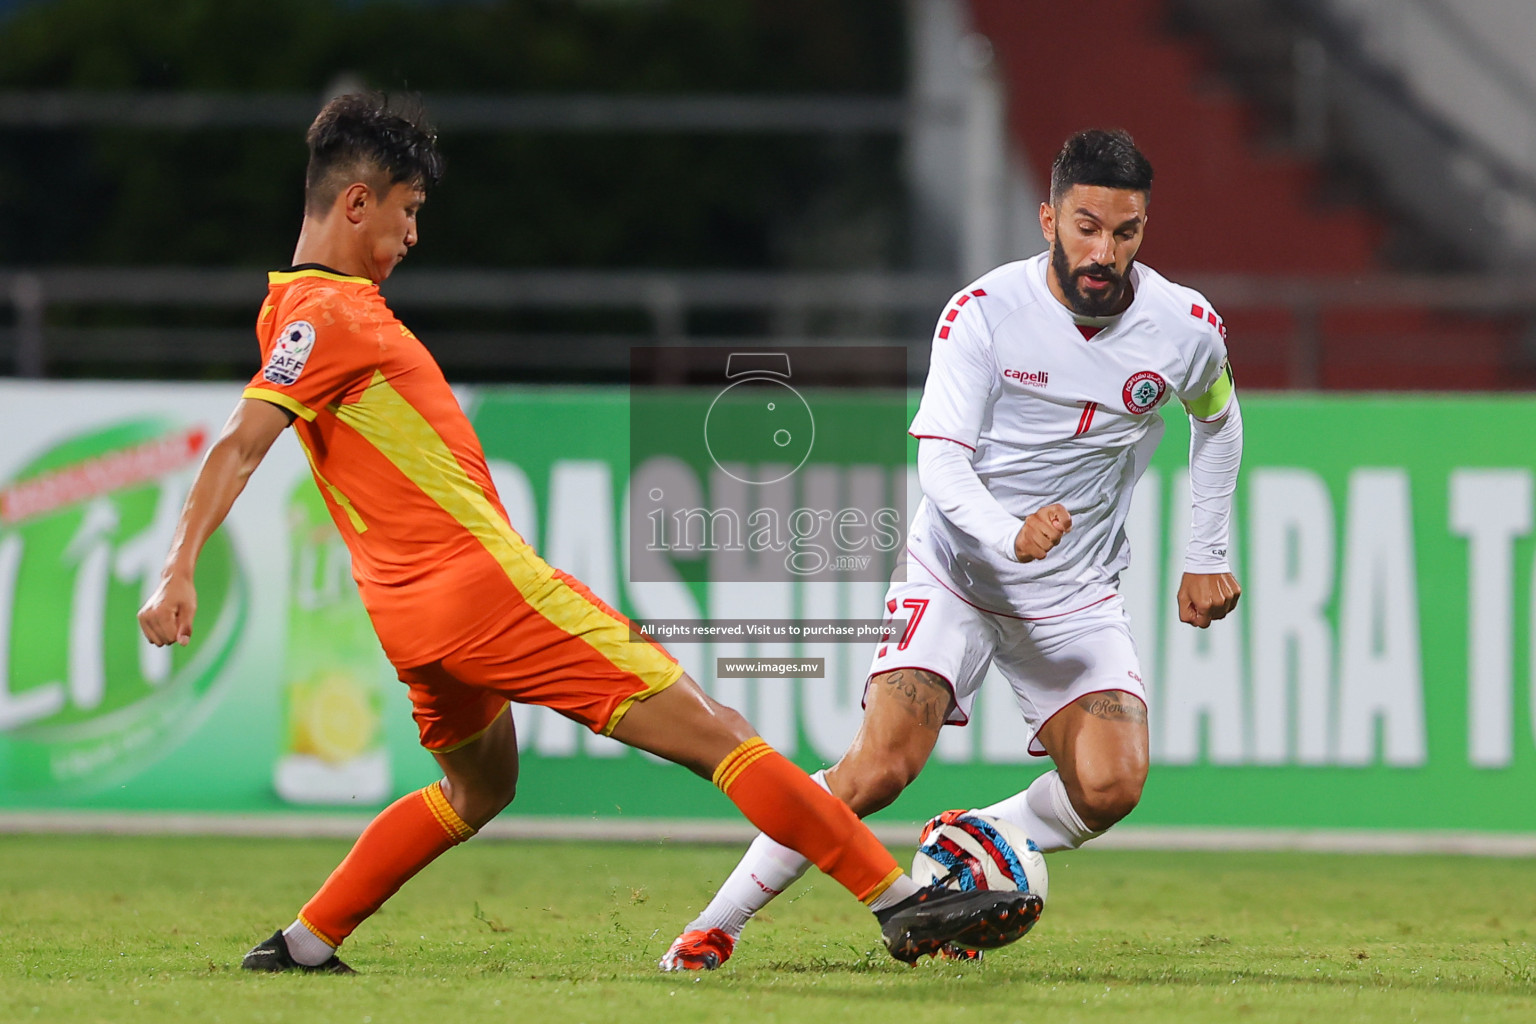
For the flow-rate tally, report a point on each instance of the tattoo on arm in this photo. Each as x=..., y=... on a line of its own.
x=1114, y=707
x=925, y=694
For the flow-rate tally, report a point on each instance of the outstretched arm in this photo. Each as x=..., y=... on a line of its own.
x=167, y=616
x=1208, y=590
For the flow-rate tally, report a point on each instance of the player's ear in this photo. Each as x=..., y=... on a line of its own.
x=355, y=201
x=1048, y=223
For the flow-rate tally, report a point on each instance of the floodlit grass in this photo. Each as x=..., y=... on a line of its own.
x=130, y=929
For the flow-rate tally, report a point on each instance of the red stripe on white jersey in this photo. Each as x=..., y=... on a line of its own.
x=1085, y=421
x=936, y=437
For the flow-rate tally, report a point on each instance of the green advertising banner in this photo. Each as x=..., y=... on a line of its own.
x=1378, y=674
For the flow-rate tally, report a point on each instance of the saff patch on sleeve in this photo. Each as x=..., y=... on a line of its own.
x=294, y=344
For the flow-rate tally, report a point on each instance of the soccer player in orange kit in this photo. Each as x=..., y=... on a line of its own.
x=470, y=616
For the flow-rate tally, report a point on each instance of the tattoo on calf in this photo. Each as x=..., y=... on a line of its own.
x=1114, y=707
x=925, y=694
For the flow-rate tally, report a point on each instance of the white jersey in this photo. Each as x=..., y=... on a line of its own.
x=1054, y=415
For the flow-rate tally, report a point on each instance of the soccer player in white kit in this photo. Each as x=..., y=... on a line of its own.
x=1039, y=415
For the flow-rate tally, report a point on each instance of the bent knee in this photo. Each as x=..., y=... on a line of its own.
x=478, y=804
x=1101, y=802
x=733, y=723
x=867, y=788
x=504, y=795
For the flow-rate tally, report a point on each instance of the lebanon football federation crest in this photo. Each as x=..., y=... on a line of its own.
x=1143, y=391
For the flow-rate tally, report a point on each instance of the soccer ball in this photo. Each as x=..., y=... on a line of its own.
x=968, y=851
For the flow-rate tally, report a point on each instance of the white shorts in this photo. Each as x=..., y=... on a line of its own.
x=1049, y=662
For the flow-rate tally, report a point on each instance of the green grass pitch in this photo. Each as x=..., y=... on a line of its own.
x=134, y=929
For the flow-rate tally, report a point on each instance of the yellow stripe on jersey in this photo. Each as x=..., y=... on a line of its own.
x=384, y=418
x=666, y=673
x=1214, y=402
x=342, y=501
x=285, y=276
x=288, y=402
x=466, y=741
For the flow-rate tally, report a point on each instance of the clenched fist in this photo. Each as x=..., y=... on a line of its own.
x=1206, y=597
x=166, y=617
x=1042, y=531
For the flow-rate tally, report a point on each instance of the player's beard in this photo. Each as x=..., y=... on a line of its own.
x=1083, y=302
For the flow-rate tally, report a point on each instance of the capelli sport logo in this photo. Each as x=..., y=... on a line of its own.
x=1037, y=379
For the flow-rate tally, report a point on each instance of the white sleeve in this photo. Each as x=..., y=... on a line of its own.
x=1215, y=453
x=962, y=382
x=1209, y=360
x=949, y=481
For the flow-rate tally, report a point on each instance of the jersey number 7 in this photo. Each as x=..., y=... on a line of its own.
x=916, y=606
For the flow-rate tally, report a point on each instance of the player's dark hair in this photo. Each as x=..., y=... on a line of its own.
x=367, y=136
x=1099, y=157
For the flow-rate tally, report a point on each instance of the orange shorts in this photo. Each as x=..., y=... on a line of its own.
x=562, y=648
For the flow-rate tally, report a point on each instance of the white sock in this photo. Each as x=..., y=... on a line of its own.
x=305, y=946
x=1046, y=815
x=767, y=870
x=894, y=893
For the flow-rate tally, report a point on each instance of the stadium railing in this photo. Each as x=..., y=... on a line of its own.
x=1292, y=316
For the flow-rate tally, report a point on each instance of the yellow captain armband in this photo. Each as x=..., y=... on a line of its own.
x=1214, y=402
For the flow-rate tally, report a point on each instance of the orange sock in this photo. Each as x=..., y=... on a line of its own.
x=789, y=808
x=407, y=835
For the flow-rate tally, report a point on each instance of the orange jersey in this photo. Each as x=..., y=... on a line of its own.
x=400, y=467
